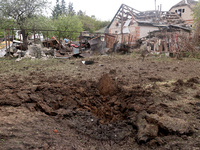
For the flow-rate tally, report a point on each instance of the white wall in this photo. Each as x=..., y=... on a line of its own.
x=144, y=30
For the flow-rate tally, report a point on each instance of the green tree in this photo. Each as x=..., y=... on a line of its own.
x=5, y=23
x=88, y=23
x=196, y=12
x=38, y=23
x=196, y=15
x=91, y=24
x=70, y=24
x=20, y=11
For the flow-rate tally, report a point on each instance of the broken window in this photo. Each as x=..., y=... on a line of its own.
x=183, y=10
x=179, y=12
x=176, y=11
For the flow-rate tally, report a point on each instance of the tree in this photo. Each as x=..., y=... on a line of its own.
x=5, y=23
x=196, y=12
x=88, y=23
x=196, y=15
x=63, y=7
x=70, y=24
x=20, y=11
x=80, y=13
x=57, y=10
x=70, y=9
x=91, y=24
x=40, y=22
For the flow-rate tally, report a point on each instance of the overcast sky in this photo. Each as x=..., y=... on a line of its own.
x=106, y=9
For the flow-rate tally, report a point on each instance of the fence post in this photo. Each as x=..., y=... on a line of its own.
x=59, y=41
x=34, y=36
x=20, y=44
x=9, y=41
x=5, y=38
x=80, y=42
x=149, y=42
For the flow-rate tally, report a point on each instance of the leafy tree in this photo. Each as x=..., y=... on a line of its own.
x=100, y=24
x=196, y=12
x=5, y=23
x=88, y=23
x=38, y=23
x=196, y=15
x=91, y=24
x=70, y=24
x=20, y=11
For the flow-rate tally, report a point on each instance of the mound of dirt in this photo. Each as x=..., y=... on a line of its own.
x=107, y=86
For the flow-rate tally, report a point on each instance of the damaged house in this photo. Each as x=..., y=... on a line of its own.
x=184, y=10
x=130, y=25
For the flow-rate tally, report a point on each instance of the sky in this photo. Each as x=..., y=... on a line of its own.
x=105, y=10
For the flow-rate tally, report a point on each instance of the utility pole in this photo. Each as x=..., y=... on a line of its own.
x=155, y=10
x=122, y=25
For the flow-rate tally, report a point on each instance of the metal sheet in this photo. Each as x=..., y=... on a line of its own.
x=75, y=50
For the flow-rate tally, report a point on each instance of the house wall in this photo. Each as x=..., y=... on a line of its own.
x=144, y=30
x=186, y=15
x=136, y=32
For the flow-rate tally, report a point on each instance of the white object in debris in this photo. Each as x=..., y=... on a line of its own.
x=33, y=58
x=18, y=59
x=88, y=62
x=167, y=54
x=16, y=41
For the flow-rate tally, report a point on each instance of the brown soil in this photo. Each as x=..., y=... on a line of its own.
x=118, y=102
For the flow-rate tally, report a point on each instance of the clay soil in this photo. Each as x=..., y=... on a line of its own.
x=117, y=103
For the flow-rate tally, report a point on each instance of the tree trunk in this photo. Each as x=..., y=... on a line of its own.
x=25, y=41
